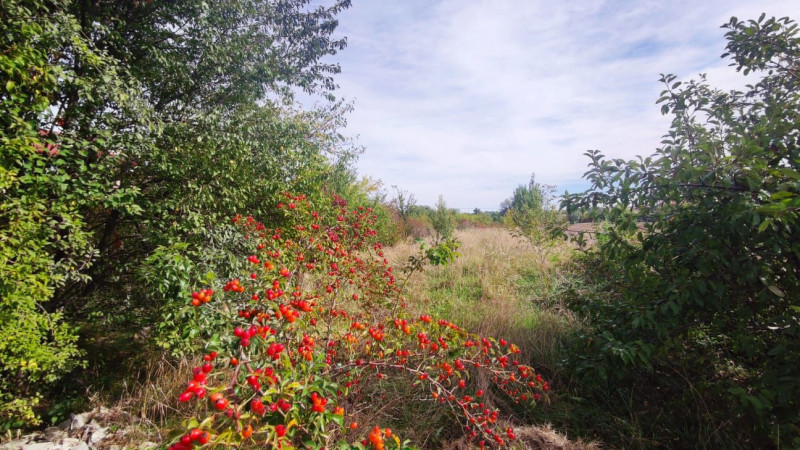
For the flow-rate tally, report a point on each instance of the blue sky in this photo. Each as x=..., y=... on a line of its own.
x=466, y=98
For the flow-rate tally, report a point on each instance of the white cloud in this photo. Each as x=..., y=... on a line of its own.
x=466, y=98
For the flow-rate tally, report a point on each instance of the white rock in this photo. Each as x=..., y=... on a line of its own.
x=74, y=444
x=93, y=426
x=79, y=420
x=13, y=445
x=39, y=446
x=33, y=437
x=98, y=435
x=54, y=434
x=67, y=442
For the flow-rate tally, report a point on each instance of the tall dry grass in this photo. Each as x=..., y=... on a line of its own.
x=148, y=392
x=498, y=287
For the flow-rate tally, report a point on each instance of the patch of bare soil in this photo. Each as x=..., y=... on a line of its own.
x=589, y=230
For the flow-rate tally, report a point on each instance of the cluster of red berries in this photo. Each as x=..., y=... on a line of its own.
x=274, y=350
x=248, y=313
x=257, y=406
x=234, y=286
x=219, y=402
x=275, y=292
x=376, y=334
x=196, y=387
x=376, y=437
x=204, y=296
x=318, y=402
x=335, y=275
x=190, y=439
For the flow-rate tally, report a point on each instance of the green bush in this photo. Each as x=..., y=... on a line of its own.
x=121, y=158
x=531, y=213
x=701, y=310
x=443, y=221
x=51, y=176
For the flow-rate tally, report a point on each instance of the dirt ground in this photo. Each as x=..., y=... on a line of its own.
x=588, y=228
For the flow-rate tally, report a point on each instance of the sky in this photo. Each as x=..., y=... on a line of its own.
x=467, y=98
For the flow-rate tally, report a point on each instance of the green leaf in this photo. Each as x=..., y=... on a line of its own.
x=775, y=290
x=778, y=350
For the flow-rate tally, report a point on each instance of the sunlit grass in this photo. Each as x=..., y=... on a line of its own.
x=498, y=286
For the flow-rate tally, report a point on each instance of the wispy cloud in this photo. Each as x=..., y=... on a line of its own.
x=466, y=98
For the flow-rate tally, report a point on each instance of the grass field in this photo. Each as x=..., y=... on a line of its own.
x=500, y=287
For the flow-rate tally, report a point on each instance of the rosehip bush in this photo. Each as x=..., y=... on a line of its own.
x=319, y=315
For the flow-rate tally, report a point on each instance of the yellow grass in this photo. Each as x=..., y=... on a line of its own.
x=500, y=287
x=497, y=287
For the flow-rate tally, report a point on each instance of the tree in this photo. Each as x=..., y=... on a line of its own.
x=130, y=133
x=217, y=140
x=50, y=176
x=443, y=220
x=404, y=201
x=531, y=213
x=708, y=284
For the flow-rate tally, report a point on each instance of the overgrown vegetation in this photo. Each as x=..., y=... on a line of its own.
x=532, y=214
x=421, y=222
x=698, y=274
x=131, y=133
x=318, y=314
x=498, y=286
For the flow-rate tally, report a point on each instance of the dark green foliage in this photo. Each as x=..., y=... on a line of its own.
x=702, y=258
x=195, y=56
x=51, y=177
x=215, y=144
x=130, y=133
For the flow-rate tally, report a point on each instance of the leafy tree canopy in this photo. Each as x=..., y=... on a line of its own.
x=130, y=133
x=705, y=232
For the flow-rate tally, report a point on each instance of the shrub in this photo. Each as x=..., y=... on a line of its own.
x=104, y=134
x=318, y=317
x=443, y=220
x=530, y=213
x=705, y=292
x=418, y=228
x=50, y=177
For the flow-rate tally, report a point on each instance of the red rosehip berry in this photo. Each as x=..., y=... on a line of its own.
x=221, y=404
x=195, y=434
x=204, y=438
